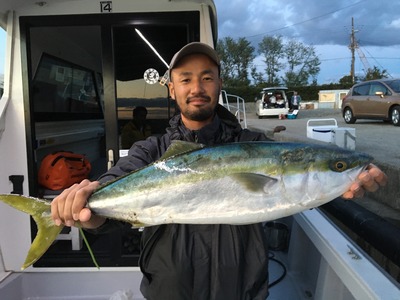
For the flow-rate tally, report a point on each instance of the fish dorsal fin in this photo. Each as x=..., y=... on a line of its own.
x=179, y=147
x=255, y=182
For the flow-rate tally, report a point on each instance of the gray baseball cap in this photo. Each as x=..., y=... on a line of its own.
x=192, y=48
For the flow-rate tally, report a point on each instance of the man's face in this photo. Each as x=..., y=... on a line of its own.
x=195, y=85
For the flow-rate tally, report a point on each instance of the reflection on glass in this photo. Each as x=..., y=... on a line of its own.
x=137, y=92
x=60, y=86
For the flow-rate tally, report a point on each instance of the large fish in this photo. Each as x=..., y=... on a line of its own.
x=238, y=183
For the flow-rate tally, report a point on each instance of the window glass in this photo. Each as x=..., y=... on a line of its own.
x=135, y=61
x=137, y=92
x=394, y=85
x=361, y=90
x=62, y=87
x=377, y=87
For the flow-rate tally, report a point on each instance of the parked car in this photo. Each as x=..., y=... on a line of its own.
x=272, y=102
x=374, y=99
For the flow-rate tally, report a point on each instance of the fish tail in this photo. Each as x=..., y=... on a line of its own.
x=47, y=230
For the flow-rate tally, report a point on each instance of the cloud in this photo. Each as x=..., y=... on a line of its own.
x=325, y=24
x=313, y=21
x=395, y=24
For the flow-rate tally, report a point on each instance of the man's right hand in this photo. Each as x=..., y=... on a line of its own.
x=70, y=206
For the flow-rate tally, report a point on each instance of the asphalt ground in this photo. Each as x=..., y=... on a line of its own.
x=374, y=137
x=377, y=138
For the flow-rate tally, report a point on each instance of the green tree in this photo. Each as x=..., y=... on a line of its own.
x=303, y=64
x=272, y=48
x=293, y=63
x=236, y=59
x=347, y=80
x=257, y=76
x=376, y=73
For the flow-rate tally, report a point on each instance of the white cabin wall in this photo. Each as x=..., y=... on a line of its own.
x=206, y=34
x=118, y=6
x=14, y=237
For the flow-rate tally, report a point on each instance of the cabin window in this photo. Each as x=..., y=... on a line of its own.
x=60, y=88
x=140, y=70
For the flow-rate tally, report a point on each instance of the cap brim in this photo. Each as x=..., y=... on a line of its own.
x=193, y=48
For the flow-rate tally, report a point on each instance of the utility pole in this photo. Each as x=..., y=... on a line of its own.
x=352, y=46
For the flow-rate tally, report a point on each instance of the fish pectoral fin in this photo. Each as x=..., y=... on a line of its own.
x=255, y=182
x=179, y=147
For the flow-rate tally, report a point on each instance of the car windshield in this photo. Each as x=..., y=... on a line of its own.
x=394, y=85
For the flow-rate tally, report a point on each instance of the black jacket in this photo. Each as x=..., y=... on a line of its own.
x=207, y=262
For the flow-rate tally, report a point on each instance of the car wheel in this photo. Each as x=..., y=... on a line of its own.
x=395, y=116
x=348, y=116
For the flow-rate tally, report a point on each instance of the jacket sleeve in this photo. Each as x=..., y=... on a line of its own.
x=247, y=135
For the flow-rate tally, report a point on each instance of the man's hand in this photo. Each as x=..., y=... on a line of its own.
x=70, y=206
x=368, y=181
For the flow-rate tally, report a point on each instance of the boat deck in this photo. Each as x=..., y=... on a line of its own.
x=281, y=282
x=320, y=263
x=102, y=285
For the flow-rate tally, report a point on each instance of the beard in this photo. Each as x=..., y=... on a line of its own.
x=199, y=114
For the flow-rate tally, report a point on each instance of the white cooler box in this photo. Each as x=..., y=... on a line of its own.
x=321, y=129
x=326, y=130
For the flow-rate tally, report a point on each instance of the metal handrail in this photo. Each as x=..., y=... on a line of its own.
x=239, y=106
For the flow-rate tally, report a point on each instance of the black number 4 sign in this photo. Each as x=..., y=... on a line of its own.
x=106, y=6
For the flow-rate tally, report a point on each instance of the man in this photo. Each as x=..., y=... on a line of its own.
x=295, y=101
x=137, y=129
x=181, y=261
x=280, y=102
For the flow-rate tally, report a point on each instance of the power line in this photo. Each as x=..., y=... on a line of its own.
x=302, y=22
x=377, y=62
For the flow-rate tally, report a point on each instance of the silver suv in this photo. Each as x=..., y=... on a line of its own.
x=374, y=99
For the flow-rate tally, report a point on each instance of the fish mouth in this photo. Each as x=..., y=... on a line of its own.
x=354, y=173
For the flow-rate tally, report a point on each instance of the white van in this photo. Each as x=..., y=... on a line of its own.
x=272, y=101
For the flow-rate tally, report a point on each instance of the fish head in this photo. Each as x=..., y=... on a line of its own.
x=314, y=175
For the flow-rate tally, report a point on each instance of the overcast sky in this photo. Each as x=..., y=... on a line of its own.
x=325, y=24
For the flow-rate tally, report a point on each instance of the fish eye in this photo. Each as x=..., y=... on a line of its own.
x=339, y=166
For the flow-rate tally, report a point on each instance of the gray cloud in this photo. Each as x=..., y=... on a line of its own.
x=316, y=22
x=326, y=24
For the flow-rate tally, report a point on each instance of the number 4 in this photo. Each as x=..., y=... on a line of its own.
x=106, y=6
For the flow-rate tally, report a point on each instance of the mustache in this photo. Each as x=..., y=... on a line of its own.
x=204, y=97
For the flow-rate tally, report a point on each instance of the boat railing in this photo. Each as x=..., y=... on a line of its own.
x=236, y=105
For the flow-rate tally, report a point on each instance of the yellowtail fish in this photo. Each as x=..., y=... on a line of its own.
x=238, y=183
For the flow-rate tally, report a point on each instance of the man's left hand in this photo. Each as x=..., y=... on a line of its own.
x=368, y=181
